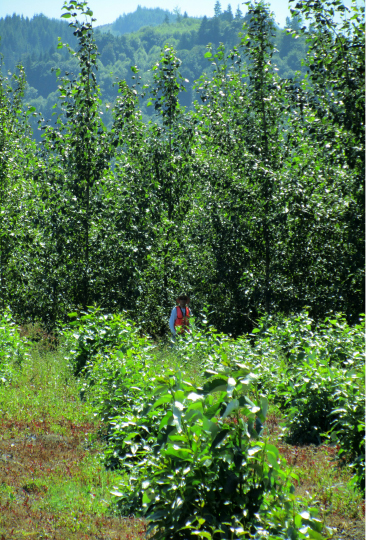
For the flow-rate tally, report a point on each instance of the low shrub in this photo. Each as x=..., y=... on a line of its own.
x=208, y=473
x=161, y=425
x=120, y=395
x=307, y=394
x=313, y=372
x=332, y=340
x=348, y=426
x=13, y=349
x=96, y=332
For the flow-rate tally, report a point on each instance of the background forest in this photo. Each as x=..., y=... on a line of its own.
x=133, y=39
x=250, y=198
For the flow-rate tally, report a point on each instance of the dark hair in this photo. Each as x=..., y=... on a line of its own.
x=183, y=297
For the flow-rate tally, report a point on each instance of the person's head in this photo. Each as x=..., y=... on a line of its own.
x=183, y=300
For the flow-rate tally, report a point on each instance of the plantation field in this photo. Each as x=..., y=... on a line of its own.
x=75, y=429
x=250, y=200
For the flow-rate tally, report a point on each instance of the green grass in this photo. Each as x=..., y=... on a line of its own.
x=44, y=392
x=52, y=481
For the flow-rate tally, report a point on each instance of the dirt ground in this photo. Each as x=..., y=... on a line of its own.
x=27, y=461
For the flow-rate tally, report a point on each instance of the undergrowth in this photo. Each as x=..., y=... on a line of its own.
x=143, y=421
x=52, y=481
x=144, y=396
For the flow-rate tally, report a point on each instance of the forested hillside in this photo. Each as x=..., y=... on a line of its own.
x=131, y=22
x=132, y=40
x=250, y=201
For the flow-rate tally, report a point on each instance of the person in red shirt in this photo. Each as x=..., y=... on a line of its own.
x=179, y=318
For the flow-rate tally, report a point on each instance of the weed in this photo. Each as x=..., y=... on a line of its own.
x=321, y=476
x=52, y=482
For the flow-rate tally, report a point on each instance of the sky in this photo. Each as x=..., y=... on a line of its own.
x=107, y=11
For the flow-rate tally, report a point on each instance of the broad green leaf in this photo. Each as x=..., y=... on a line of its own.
x=314, y=534
x=232, y=406
x=162, y=400
x=221, y=435
x=254, y=450
x=177, y=415
x=264, y=405
x=216, y=385
x=181, y=453
x=195, y=397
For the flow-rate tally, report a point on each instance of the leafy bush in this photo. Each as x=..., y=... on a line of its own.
x=307, y=368
x=96, y=332
x=333, y=340
x=208, y=474
x=13, y=349
x=116, y=361
x=206, y=348
x=309, y=392
x=343, y=344
x=348, y=429
x=162, y=427
x=121, y=394
x=322, y=401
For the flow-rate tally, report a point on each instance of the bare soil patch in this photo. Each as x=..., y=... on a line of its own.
x=32, y=461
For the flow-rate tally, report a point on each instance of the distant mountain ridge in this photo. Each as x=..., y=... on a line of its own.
x=143, y=16
x=33, y=42
x=37, y=35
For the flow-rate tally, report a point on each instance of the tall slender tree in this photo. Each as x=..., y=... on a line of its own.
x=17, y=165
x=265, y=136
x=84, y=148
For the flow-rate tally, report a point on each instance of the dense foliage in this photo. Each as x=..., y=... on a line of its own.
x=250, y=202
x=13, y=349
x=198, y=458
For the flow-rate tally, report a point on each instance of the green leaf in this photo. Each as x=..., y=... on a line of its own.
x=314, y=534
x=162, y=400
x=231, y=384
x=201, y=534
x=232, y=406
x=219, y=438
x=165, y=420
x=195, y=397
x=216, y=385
x=147, y=497
x=177, y=415
x=66, y=15
x=254, y=450
x=117, y=493
x=264, y=405
x=180, y=453
x=272, y=459
x=272, y=449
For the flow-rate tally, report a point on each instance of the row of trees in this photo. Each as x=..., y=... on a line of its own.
x=252, y=201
